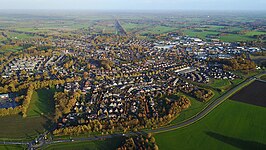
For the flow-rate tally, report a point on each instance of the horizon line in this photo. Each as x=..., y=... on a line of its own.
x=133, y=10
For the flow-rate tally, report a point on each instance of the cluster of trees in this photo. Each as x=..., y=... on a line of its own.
x=23, y=108
x=10, y=111
x=68, y=64
x=203, y=94
x=106, y=64
x=92, y=126
x=171, y=108
x=139, y=143
x=238, y=63
x=14, y=86
x=64, y=102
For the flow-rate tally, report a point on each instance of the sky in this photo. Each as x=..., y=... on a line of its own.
x=135, y=4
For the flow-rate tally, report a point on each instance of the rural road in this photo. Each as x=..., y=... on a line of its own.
x=192, y=120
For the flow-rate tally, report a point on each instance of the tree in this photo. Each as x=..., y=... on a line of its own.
x=152, y=140
x=149, y=135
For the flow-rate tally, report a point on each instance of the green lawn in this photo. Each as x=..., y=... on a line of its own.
x=41, y=102
x=16, y=127
x=110, y=144
x=232, y=125
x=220, y=83
x=12, y=147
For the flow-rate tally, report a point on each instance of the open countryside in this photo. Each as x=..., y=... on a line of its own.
x=252, y=94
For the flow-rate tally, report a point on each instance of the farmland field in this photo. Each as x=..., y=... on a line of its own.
x=224, y=33
x=202, y=34
x=110, y=144
x=235, y=38
x=252, y=33
x=252, y=94
x=232, y=125
x=11, y=147
x=158, y=30
x=16, y=127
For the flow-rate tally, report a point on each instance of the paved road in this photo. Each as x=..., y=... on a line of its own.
x=192, y=120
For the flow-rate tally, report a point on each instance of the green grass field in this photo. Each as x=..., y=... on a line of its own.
x=235, y=38
x=12, y=147
x=201, y=35
x=41, y=102
x=196, y=107
x=220, y=83
x=252, y=33
x=232, y=125
x=132, y=26
x=16, y=127
x=19, y=36
x=158, y=30
x=110, y=144
x=203, y=32
x=13, y=49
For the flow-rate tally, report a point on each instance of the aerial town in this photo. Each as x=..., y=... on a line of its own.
x=85, y=86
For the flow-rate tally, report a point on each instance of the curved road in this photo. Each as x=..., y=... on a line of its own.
x=192, y=120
